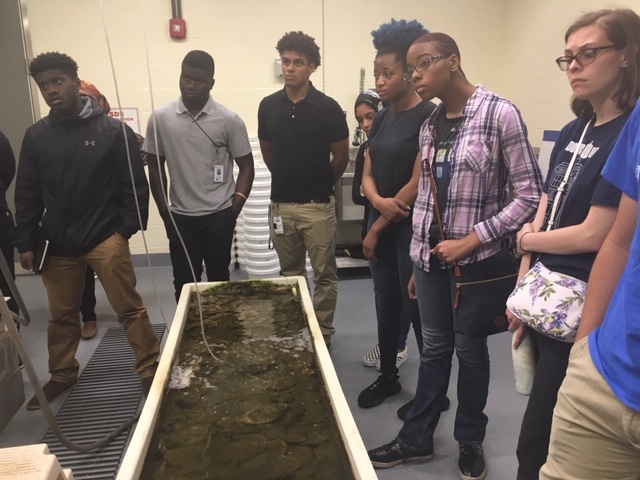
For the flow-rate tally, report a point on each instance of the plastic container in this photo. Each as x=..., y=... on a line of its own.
x=255, y=230
x=133, y=460
x=257, y=245
x=31, y=462
x=524, y=364
x=258, y=201
x=251, y=236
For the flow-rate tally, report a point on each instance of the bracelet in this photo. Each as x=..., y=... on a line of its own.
x=241, y=194
x=522, y=249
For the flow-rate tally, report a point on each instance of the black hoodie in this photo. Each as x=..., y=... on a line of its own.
x=7, y=172
x=76, y=173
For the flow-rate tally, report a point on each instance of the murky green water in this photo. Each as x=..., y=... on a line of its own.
x=263, y=412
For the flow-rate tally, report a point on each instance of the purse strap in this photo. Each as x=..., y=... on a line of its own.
x=436, y=208
x=562, y=187
x=436, y=204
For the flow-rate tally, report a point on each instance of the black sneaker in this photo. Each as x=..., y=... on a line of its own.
x=471, y=462
x=404, y=409
x=391, y=454
x=382, y=388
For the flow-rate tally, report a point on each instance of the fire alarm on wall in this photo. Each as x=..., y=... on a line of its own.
x=177, y=28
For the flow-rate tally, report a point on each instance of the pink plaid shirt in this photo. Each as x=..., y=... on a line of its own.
x=490, y=151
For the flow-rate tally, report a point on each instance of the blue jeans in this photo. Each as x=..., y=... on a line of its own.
x=440, y=340
x=391, y=274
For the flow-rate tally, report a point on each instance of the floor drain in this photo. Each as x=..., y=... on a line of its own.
x=109, y=394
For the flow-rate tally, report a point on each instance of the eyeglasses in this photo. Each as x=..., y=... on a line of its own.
x=422, y=66
x=583, y=57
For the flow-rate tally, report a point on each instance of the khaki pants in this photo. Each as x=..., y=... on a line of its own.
x=594, y=436
x=310, y=227
x=63, y=279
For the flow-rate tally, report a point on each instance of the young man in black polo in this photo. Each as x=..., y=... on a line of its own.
x=304, y=141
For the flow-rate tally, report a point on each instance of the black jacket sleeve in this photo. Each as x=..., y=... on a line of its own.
x=133, y=195
x=28, y=197
x=7, y=162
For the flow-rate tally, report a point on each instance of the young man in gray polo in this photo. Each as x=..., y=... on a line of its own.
x=299, y=129
x=199, y=139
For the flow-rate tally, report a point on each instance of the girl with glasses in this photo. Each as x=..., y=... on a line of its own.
x=601, y=61
x=475, y=144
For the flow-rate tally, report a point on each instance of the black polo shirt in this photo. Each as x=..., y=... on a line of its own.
x=300, y=134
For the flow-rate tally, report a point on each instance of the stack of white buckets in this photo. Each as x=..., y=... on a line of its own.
x=251, y=241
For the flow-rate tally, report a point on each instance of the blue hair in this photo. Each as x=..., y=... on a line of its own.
x=396, y=37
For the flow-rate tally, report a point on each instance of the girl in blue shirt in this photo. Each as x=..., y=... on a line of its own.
x=603, y=73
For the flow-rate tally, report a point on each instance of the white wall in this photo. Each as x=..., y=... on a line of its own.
x=534, y=38
x=508, y=45
x=241, y=36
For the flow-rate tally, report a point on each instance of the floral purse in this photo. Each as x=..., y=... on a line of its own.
x=547, y=301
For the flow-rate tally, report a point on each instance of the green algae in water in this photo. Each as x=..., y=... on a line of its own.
x=263, y=412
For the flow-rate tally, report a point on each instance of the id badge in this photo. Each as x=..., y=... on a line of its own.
x=278, y=225
x=218, y=173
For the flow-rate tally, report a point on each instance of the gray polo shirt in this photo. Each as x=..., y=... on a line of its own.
x=199, y=152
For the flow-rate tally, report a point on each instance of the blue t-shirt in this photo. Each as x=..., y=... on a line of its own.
x=585, y=187
x=615, y=346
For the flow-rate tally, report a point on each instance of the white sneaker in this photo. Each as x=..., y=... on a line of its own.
x=400, y=358
x=372, y=358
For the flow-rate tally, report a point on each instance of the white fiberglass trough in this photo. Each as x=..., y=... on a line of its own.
x=133, y=461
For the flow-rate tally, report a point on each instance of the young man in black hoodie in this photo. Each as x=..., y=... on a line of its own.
x=74, y=177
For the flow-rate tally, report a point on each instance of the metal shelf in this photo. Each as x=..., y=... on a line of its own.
x=347, y=262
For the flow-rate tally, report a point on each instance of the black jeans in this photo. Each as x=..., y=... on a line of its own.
x=208, y=238
x=88, y=305
x=391, y=273
x=551, y=368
